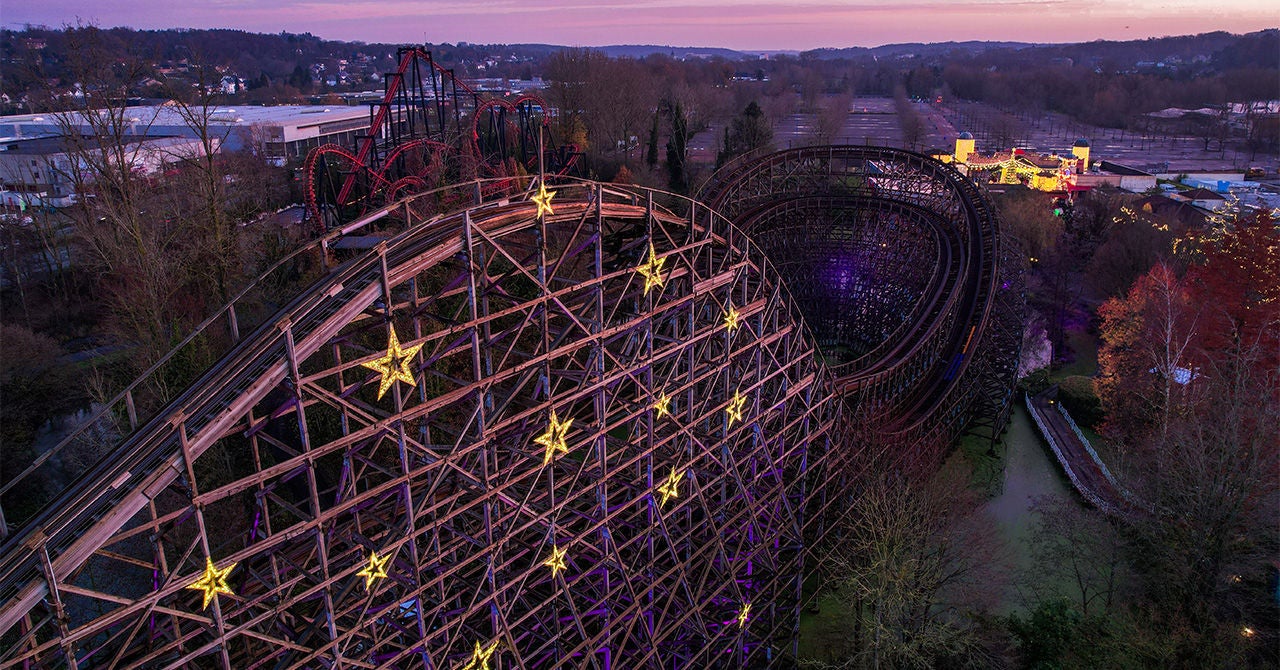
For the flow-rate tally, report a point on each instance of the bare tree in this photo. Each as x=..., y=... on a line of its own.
x=830, y=119
x=1079, y=555
x=141, y=257
x=914, y=564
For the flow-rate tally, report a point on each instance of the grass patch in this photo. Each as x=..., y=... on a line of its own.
x=1084, y=349
x=986, y=462
x=824, y=631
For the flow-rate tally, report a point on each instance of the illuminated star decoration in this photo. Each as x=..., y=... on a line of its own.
x=394, y=365
x=376, y=569
x=212, y=582
x=670, y=488
x=555, y=439
x=543, y=199
x=556, y=562
x=652, y=270
x=731, y=318
x=662, y=406
x=742, y=615
x=736, y=404
x=480, y=657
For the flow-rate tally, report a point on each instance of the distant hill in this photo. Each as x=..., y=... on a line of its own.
x=915, y=49
x=1258, y=49
x=643, y=50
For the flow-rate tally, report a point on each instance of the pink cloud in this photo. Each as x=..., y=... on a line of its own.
x=744, y=24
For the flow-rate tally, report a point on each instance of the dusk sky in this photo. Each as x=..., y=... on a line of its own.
x=737, y=24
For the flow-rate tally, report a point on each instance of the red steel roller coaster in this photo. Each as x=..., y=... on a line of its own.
x=429, y=127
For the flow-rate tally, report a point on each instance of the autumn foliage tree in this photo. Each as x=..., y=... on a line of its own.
x=1190, y=382
x=1146, y=353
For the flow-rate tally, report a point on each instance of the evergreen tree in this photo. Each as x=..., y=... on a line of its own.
x=677, y=149
x=749, y=131
x=652, y=157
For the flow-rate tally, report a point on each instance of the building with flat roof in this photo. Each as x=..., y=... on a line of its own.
x=39, y=171
x=285, y=132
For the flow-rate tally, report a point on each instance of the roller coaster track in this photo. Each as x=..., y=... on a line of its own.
x=621, y=430
x=430, y=127
x=950, y=356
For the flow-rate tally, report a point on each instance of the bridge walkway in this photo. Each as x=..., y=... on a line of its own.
x=1088, y=474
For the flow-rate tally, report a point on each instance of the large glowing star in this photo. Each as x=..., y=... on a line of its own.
x=376, y=569
x=212, y=582
x=480, y=657
x=662, y=406
x=670, y=488
x=743, y=613
x=394, y=365
x=731, y=318
x=735, y=408
x=652, y=271
x=543, y=199
x=556, y=561
x=555, y=439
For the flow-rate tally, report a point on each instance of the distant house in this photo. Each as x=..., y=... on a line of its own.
x=1177, y=210
x=1201, y=197
x=42, y=168
x=1181, y=376
x=1120, y=176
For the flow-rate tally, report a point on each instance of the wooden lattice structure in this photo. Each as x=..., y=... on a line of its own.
x=591, y=463
x=589, y=427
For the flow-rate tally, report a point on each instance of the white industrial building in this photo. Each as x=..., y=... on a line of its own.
x=285, y=132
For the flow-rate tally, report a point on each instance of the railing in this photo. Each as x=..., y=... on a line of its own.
x=1087, y=445
x=1084, y=491
x=1124, y=492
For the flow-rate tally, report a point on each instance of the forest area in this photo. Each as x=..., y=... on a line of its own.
x=1185, y=397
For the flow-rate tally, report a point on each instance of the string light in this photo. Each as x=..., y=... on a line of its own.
x=735, y=408
x=743, y=613
x=394, y=365
x=376, y=569
x=543, y=199
x=212, y=582
x=556, y=562
x=670, y=488
x=731, y=318
x=651, y=269
x=555, y=439
x=480, y=657
x=662, y=407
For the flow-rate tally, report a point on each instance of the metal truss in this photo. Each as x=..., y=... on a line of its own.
x=596, y=437
x=898, y=264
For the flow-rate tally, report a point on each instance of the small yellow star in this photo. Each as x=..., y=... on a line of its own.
x=731, y=318
x=556, y=562
x=376, y=569
x=742, y=615
x=670, y=488
x=480, y=657
x=736, y=404
x=652, y=270
x=555, y=439
x=394, y=365
x=662, y=406
x=543, y=199
x=212, y=582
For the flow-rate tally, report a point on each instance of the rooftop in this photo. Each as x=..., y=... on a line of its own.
x=43, y=146
x=28, y=125
x=1199, y=194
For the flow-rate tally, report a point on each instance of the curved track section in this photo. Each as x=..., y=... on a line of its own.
x=582, y=469
x=899, y=265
